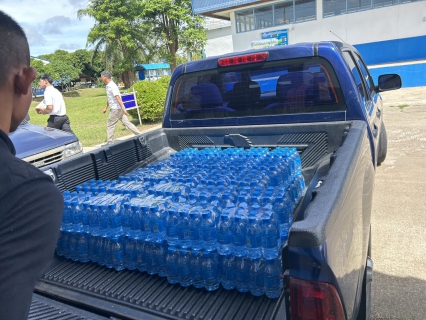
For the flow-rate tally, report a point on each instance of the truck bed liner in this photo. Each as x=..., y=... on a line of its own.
x=43, y=308
x=137, y=295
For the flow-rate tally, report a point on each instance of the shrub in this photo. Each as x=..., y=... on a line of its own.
x=150, y=96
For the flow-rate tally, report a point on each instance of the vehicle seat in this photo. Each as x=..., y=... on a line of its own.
x=293, y=90
x=209, y=94
x=244, y=96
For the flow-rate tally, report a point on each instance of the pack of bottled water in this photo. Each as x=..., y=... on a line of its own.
x=201, y=217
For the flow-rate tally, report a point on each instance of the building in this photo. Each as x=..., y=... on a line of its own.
x=152, y=71
x=390, y=34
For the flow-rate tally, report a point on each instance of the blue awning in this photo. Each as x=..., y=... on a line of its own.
x=206, y=6
x=152, y=66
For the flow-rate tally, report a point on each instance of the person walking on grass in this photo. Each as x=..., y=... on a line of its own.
x=117, y=110
x=53, y=105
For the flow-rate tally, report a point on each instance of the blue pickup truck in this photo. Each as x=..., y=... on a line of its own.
x=316, y=97
x=42, y=146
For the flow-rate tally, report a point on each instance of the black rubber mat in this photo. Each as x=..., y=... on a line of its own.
x=43, y=308
x=136, y=295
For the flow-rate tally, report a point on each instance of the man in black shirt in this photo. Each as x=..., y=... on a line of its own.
x=30, y=204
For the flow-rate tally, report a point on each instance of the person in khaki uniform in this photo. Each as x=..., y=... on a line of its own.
x=117, y=110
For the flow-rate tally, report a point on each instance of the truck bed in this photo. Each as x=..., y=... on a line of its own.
x=135, y=295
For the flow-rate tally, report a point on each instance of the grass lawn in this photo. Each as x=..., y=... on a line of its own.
x=84, y=108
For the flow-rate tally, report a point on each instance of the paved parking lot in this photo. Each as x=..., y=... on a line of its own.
x=399, y=211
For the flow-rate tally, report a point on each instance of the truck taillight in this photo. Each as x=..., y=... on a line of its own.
x=313, y=300
x=244, y=59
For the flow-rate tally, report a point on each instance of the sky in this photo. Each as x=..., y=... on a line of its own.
x=50, y=24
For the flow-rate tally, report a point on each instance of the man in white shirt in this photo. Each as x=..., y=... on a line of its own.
x=53, y=105
x=117, y=110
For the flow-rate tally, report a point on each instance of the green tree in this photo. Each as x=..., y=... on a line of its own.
x=119, y=33
x=174, y=24
x=41, y=68
x=61, y=67
x=82, y=60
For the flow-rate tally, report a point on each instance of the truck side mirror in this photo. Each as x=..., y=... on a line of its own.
x=389, y=82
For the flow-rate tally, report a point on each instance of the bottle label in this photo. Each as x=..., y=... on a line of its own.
x=272, y=281
x=224, y=237
x=271, y=240
x=257, y=279
x=210, y=274
x=229, y=274
x=194, y=234
x=172, y=231
x=209, y=234
x=253, y=241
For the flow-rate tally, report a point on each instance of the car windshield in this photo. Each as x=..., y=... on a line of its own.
x=281, y=87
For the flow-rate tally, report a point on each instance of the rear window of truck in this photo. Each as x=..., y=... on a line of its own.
x=280, y=87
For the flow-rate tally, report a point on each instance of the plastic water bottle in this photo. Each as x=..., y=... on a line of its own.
x=257, y=268
x=185, y=278
x=62, y=248
x=208, y=227
x=114, y=219
x=282, y=208
x=160, y=253
x=151, y=265
x=224, y=235
x=229, y=270
x=172, y=261
x=130, y=259
x=272, y=279
x=195, y=232
x=242, y=274
x=196, y=269
x=144, y=218
x=140, y=255
x=253, y=238
x=156, y=222
x=172, y=227
x=239, y=236
x=117, y=252
x=103, y=238
x=183, y=229
x=209, y=270
x=269, y=238
x=77, y=227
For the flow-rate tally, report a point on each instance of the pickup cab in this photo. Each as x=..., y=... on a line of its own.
x=316, y=97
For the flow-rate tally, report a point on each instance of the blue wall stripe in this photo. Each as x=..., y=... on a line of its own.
x=393, y=50
x=412, y=75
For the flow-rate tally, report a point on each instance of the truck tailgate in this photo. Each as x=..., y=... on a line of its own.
x=135, y=295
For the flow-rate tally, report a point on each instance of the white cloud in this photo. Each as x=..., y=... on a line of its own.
x=35, y=38
x=50, y=25
x=55, y=24
x=71, y=46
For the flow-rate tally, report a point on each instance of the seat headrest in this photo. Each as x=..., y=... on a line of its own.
x=209, y=93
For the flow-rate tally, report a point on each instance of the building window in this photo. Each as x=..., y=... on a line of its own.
x=283, y=13
x=333, y=7
x=245, y=20
x=305, y=10
x=337, y=7
x=384, y=3
x=278, y=14
x=263, y=17
x=358, y=5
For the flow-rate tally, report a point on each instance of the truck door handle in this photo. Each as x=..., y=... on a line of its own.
x=375, y=131
x=378, y=113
